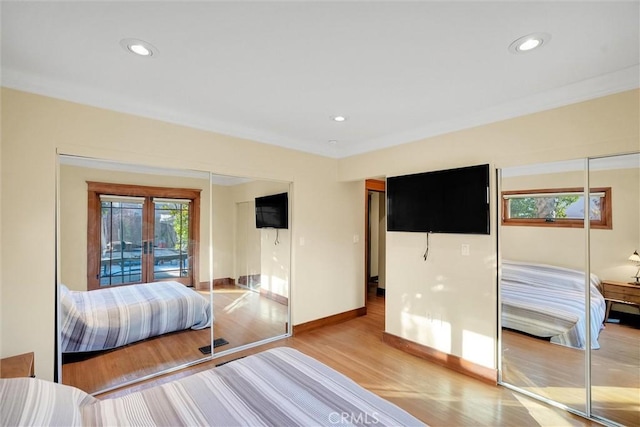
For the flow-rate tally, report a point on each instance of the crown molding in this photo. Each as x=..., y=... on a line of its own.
x=608, y=84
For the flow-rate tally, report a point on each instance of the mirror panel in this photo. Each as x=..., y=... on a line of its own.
x=124, y=223
x=251, y=265
x=615, y=365
x=542, y=308
x=240, y=270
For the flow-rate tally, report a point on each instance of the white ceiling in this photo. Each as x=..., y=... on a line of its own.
x=276, y=71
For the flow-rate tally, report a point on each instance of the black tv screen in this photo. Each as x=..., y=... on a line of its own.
x=272, y=211
x=445, y=201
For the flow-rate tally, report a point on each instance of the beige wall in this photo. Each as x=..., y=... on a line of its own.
x=449, y=301
x=35, y=127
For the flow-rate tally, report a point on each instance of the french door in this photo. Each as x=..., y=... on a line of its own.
x=138, y=234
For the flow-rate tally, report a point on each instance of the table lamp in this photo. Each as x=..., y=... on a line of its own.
x=636, y=258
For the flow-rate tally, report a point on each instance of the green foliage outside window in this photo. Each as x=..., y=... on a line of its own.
x=541, y=207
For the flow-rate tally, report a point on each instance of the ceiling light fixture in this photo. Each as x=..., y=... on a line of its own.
x=333, y=142
x=139, y=47
x=529, y=42
x=338, y=118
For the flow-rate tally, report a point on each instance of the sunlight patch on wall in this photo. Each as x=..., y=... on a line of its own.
x=427, y=331
x=274, y=284
x=479, y=349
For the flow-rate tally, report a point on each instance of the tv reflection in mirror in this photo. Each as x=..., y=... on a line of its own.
x=272, y=211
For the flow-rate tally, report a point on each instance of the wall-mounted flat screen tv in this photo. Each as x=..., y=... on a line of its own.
x=272, y=211
x=445, y=201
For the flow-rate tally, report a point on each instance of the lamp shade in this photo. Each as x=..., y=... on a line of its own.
x=634, y=257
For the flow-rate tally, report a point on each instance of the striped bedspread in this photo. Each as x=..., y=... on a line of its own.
x=549, y=302
x=112, y=317
x=278, y=387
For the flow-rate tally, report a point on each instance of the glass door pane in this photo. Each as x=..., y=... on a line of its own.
x=172, y=248
x=121, y=241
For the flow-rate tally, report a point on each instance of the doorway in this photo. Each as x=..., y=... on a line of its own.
x=375, y=221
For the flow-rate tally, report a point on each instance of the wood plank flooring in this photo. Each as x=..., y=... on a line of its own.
x=558, y=372
x=435, y=395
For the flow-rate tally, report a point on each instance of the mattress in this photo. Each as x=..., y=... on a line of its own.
x=108, y=318
x=278, y=387
x=549, y=302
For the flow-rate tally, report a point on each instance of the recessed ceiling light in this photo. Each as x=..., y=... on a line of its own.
x=338, y=118
x=529, y=42
x=139, y=47
x=333, y=142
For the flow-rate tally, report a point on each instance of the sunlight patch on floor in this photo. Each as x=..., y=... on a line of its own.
x=237, y=303
x=542, y=413
x=571, y=396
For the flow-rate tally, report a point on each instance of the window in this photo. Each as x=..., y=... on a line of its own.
x=140, y=234
x=558, y=207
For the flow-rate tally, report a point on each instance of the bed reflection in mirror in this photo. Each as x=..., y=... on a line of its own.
x=547, y=336
x=156, y=263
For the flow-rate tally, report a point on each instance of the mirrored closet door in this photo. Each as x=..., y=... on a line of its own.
x=542, y=281
x=134, y=271
x=568, y=337
x=252, y=255
x=615, y=365
x=162, y=268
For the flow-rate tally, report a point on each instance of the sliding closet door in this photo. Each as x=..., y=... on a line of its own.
x=251, y=266
x=148, y=226
x=615, y=361
x=542, y=246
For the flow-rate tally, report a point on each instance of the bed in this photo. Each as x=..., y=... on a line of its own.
x=549, y=302
x=277, y=387
x=112, y=317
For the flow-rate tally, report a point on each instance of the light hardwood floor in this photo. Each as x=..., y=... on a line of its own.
x=558, y=372
x=435, y=395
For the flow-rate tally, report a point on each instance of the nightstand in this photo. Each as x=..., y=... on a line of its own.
x=17, y=366
x=620, y=292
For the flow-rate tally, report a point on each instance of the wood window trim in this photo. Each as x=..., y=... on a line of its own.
x=95, y=189
x=606, y=223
